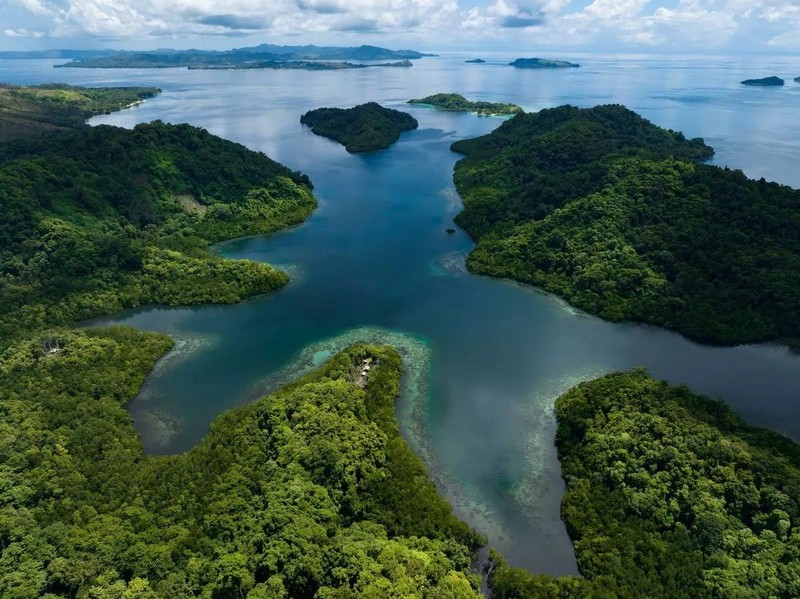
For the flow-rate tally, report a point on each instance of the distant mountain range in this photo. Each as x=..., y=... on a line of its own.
x=198, y=59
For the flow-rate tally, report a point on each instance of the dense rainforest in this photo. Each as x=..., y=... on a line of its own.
x=617, y=216
x=458, y=103
x=310, y=492
x=105, y=218
x=31, y=110
x=364, y=128
x=669, y=494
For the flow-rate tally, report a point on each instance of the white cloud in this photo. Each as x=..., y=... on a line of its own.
x=607, y=24
x=152, y=18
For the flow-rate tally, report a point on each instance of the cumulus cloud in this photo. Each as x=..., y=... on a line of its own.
x=153, y=18
x=681, y=24
x=607, y=24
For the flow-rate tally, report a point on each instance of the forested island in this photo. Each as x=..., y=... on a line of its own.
x=764, y=82
x=268, y=56
x=622, y=218
x=306, y=65
x=458, y=103
x=31, y=110
x=542, y=63
x=101, y=218
x=364, y=128
x=669, y=494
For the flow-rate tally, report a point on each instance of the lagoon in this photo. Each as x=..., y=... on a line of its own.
x=487, y=358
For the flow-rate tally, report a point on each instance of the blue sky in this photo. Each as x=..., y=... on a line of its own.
x=714, y=26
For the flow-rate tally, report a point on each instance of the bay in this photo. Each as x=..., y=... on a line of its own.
x=486, y=358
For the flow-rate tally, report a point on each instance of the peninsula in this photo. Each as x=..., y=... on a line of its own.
x=27, y=111
x=542, y=63
x=267, y=55
x=765, y=82
x=458, y=103
x=97, y=219
x=656, y=478
x=633, y=226
x=364, y=128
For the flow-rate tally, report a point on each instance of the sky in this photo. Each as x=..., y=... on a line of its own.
x=647, y=26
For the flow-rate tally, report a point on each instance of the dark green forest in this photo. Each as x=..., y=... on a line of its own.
x=669, y=494
x=310, y=492
x=31, y=110
x=617, y=216
x=105, y=218
x=458, y=103
x=364, y=128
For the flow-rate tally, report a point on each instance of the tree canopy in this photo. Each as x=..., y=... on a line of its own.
x=364, y=128
x=669, y=494
x=616, y=215
x=104, y=218
x=310, y=492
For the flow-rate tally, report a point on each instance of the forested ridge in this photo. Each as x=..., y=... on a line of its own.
x=364, y=128
x=617, y=216
x=310, y=492
x=31, y=110
x=669, y=494
x=105, y=218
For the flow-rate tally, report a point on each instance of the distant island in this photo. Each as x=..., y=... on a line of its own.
x=765, y=82
x=475, y=61
x=264, y=56
x=364, y=128
x=307, y=65
x=797, y=79
x=458, y=103
x=634, y=226
x=30, y=110
x=542, y=63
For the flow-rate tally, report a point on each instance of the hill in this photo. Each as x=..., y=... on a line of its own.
x=614, y=214
x=105, y=218
x=309, y=492
x=364, y=128
x=31, y=110
x=669, y=494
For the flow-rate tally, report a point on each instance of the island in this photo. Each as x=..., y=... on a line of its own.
x=797, y=79
x=476, y=61
x=624, y=220
x=765, y=82
x=308, y=65
x=458, y=103
x=97, y=219
x=364, y=128
x=542, y=63
x=264, y=56
x=669, y=494
x=27, y=111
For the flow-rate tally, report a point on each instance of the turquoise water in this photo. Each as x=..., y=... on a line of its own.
x=486, y=357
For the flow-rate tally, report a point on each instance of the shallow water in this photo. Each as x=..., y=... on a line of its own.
x=374, y=262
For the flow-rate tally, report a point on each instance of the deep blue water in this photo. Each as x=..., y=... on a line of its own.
x=490, y=355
